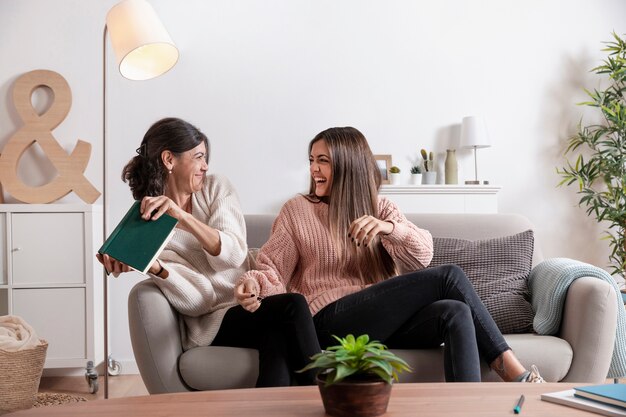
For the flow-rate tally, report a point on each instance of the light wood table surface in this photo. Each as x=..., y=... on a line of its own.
x=423, y=400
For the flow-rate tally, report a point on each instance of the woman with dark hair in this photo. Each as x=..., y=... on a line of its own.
x=198, y=268
x=344, y=248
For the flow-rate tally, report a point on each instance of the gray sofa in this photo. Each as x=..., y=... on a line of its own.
x=581, y=352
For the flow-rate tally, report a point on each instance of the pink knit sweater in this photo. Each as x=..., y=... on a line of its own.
x=300, y=256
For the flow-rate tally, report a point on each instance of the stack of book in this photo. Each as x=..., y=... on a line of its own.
x=606, y=399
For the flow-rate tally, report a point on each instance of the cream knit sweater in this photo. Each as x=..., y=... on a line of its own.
x=300, y=256
x=200, y=286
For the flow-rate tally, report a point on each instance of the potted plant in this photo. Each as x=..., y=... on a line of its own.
x=416, y=174
x=356, y=376
x=394, y=174
x=601, y=173
x=429, y=176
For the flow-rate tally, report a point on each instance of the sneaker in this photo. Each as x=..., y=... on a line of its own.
x=534, y=377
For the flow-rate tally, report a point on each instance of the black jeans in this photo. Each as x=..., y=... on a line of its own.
x=282, y=331
x=421, y=309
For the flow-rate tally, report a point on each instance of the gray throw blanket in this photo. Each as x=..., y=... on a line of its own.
x=549, y=282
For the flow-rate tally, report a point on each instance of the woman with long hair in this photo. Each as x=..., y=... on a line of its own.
x=362, y=267
x=198, y=268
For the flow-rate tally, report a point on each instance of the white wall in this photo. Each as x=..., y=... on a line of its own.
x=263, y=77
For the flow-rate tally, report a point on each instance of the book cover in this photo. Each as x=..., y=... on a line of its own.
x=568, y=398
x=137, y=242
x=614, y=394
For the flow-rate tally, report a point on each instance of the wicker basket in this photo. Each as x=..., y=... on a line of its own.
x=20, y=373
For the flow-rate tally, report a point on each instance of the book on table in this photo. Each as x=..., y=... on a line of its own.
x=138, y=242
x=568, y=398
x=612, y=394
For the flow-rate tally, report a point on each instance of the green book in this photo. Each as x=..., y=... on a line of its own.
x=138, y=242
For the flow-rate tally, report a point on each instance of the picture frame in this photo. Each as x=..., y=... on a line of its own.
x=384, y=163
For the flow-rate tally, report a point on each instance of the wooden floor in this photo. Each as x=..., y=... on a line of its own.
x=119, y=386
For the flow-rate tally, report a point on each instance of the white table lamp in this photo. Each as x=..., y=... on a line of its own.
x=474, y=135
x=144, y=50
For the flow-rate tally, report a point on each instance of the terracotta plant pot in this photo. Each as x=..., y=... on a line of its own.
x=363, y=397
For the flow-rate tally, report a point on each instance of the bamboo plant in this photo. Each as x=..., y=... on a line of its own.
x=601, y=175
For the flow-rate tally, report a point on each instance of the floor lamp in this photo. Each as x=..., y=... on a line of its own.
x=474, y=136
x=143, y=50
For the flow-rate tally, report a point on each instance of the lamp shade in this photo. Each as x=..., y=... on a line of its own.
x=474, y=133
x=142, y=46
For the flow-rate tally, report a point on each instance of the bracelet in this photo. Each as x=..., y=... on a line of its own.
x=158, y=274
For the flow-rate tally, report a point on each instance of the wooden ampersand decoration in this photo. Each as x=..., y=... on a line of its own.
x=38, y=128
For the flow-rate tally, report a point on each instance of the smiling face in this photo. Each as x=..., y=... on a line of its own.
x=189, y=170
x=321, y=168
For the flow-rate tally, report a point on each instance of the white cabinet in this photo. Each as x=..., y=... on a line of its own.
x=50, y=277
x=443, y=198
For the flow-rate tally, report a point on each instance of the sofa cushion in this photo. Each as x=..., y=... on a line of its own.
x=553, y=357
x=498, y=269
x=219, y=367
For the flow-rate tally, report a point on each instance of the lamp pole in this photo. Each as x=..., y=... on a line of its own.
x=475, y=181
x=144, y=50
x=105, y=288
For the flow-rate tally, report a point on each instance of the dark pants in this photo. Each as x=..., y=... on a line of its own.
x=420, y=310
x=282, y=331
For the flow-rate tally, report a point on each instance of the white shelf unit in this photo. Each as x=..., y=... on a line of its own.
x=443, y=198
x=49, y=276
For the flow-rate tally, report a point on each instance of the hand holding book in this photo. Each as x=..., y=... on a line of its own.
x=115, y=267
x=111, y=265
x=136, y=243
x=152, y=208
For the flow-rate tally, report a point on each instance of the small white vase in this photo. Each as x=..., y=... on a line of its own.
x=429, y=177
x=395, y=178
x=416, y=179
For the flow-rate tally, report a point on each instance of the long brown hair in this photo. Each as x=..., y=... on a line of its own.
x=353, y=193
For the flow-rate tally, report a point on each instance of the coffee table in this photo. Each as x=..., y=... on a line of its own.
x=423, y=400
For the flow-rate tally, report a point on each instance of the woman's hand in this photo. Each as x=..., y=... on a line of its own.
x=364, y=229
x=246, y=296
x=152, y=208
x=113, y=266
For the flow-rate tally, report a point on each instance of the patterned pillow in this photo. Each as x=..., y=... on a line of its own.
x=498, y=269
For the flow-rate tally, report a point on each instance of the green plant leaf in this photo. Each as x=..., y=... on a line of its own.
x=383, y=375
x=357, y=356
x=599, y=170
x=363, y=339
x=343, y=371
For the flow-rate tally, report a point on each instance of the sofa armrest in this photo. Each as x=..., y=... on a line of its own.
x=588, y=325
x=155, y=337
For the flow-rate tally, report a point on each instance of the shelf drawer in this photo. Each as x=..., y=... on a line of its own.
x=48, y=248
x=58, y=316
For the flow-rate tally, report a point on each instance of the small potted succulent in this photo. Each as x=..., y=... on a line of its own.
x=356, y=376
x=430, y=175
x=416, y=175
x=394, y=174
